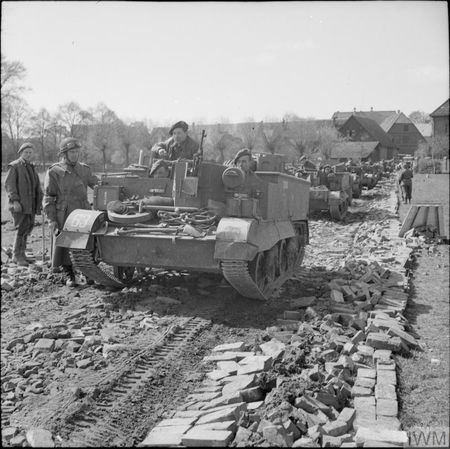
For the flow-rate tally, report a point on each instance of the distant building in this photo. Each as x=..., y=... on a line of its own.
x=401, y=130
x=362, y=129
x=356, y=151
x=440, y=117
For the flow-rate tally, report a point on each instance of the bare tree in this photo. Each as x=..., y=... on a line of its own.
x=71, y=115
x=419, y=117
x=15, y=120
x=12, y=74
x=40, y=126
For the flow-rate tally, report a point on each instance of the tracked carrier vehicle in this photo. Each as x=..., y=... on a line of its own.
x=193, y=220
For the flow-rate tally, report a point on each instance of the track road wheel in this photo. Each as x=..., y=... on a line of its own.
x=125, y=274
x=292, y=250
x=357, y=192
x=272, y=264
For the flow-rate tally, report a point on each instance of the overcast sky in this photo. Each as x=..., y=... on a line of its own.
x=214, y=61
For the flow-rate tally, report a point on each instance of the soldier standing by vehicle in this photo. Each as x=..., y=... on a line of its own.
x=65, y=190
x=405, y=181
x=178, y=146
x=25, y=196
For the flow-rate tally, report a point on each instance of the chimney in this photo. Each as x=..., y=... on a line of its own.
x=371, y=108
x=354, y=109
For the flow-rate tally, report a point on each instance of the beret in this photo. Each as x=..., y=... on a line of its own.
x=183, y=125
x=157, y=164
x=69, y=143
x=24, y=146
x=327, y=166
x=241, y=153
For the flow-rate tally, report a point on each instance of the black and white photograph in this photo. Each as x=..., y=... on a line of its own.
x=225, y=224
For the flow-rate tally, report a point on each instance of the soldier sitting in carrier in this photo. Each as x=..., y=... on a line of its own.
x=252, y=185
x=178, y=147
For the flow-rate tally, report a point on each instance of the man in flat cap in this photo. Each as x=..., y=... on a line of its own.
x=65, y=189
x=178, y=146
x=252, y=185
x=25, y=196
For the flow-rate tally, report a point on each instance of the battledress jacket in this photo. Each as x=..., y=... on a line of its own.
x=65, y=189
x=20, y=187
x=183, y=150
x=406, y=177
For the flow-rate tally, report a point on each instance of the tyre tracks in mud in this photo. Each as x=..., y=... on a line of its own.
x=103, y=422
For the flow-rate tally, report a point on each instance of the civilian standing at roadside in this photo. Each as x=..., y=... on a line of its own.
x=25, y=196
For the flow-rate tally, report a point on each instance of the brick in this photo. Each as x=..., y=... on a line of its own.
x=224, y=425
x=347, y=415
x=367, y=372
x=254, y=405
x=293, y=315
x=330, y=441
x=383, y=435
x=328, y=399
x=253, y=394
x=387, y=377
x=385, y=391
x=303, y=302
x=362, y=403
x=232, y=398
x=292, y=429
x=404, y=336
x=242, y=437
x=349, y=348
x=231, y=367
x=335, y=428
x=201, y=397
x=329, y=355
x=273, y=348
x=241, y=383
x=361, y=391
x=365, y=351
x=384, y=365
x=238, y=346
x=44, y=344
x=337, y=296
x=378, y=340
x=177, y=422
x=387, y=407
x=365, y=382
x=305, y=442
x=251, y=368
x=382, y=354
x=226, y=414
x=38, y=437
x=207, y=438
x=277, y=436
x=226, y=356
x=263, y=360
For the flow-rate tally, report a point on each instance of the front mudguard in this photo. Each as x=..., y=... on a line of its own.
x=243, y=238
x=79, y=228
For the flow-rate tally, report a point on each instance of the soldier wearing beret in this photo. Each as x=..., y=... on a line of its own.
x=65, y=189
x=178, y=146
x=25, y=196
x=252, y=185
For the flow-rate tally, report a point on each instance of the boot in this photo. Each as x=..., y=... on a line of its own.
x=70, y=276
x=24, y=247
x=18, y=254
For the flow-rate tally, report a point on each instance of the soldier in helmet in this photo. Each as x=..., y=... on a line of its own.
x=25, y=196
x=178, y=146
x=65, y=189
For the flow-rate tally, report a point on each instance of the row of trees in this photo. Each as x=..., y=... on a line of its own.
x=107, y=139
x=110, y=142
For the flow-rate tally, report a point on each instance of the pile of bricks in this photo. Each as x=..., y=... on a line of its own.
x=350, y=397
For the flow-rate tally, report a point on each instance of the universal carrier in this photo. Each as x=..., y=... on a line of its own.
x=193, y=220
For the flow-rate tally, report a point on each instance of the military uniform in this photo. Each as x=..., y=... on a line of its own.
x=405, y=181
x=251, y=186
x=65, y=189
x=183, y=150
x=22, y=185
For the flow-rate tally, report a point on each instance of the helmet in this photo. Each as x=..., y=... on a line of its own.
x=69, y=143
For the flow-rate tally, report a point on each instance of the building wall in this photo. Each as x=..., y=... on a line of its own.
x=355, y=131
x=406, y=137
x=441, y=126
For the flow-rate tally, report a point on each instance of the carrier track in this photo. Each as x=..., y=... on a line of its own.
x=98, y=425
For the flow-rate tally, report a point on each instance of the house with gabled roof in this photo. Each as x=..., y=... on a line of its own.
x=402, y=131
x=356, y=151
x=363, y=129
x=440, y=117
